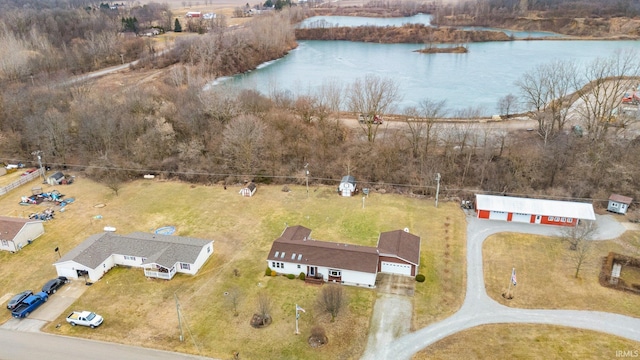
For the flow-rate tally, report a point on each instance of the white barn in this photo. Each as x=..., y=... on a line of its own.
x=161, y=256
x=534, y=211
x=15, y=233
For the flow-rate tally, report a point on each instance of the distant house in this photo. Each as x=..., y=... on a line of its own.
x=209, y=16
x=534, y=211
x=149, y=32
x=194, y=14
x=295, y=252
x=55, y=179
x=347, y=186
x=161, y=256
x=15, y=233
x=249, y=189
x=619, y=204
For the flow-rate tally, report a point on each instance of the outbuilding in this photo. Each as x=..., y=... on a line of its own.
x=534, y=211
x=55, y=179
x=248, y=190
x=15, y=233
x=619, y=203
x=347, y=186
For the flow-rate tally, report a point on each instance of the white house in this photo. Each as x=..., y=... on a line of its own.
x=15, y=233
x=347, y=186
x=295, y=252
x=619, y=203
x=534, y=211
x=161, y=256
x=399, y=252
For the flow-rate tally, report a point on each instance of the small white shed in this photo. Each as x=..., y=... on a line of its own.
x=248, y=190
x=347, y=186
x=55, y=179
x=619, y=203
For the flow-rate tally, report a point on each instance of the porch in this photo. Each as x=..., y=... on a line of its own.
x=160, y=272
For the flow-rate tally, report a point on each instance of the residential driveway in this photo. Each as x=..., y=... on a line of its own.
x=479, y=309
x=49, y=311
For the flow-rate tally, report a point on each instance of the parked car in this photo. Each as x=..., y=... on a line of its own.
x=18, y=299
x=54, y=284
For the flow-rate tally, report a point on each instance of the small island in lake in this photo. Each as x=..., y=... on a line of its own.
x=442, y=50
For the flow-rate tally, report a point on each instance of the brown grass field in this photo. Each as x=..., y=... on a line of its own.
x=142, y=312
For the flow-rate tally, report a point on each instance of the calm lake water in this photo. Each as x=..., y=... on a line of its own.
x=477, y=79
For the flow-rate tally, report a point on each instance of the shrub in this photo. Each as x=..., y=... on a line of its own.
x=301, y=276
x=420, y=278
x=273, y=273
x=291, y=276
x=267, y=272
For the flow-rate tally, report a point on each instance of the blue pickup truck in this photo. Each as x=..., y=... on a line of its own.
x=29, y=304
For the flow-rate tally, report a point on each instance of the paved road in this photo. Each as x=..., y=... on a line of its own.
x=479, y=309
x=16, y=345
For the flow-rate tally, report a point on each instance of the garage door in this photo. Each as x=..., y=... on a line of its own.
x=498, y=215
x=395, y=268
x=525, y=218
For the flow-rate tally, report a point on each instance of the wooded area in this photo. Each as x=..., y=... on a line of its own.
x=178, y=128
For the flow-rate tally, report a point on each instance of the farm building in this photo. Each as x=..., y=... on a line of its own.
x=534, y=211
x=161, y=256
x=193, y=14
x=347, y=186
x=619, y=204
x=249, y=189
x=295, y=252
x=55, y=179
x=15, y=233
x=399, y=252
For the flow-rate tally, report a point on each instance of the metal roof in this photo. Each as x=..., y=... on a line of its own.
x=576, y=210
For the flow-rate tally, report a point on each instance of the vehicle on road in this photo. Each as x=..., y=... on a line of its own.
x=631, y=98
x=85, y=318
x=375, y=119
x=54, y=284
x=28, y=305
x=18, y=299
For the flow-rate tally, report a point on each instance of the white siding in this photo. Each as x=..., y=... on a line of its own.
x=498, y=215
x=29, y=231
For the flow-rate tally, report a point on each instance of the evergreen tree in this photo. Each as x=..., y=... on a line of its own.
x=177, y=27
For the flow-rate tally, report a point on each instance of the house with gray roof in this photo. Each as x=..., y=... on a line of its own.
x=160, y=256
x=15, y=233
x=295, y=252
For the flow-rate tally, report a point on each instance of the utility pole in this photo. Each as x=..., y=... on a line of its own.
x=306, y=171
x=179, y=317
x=437, y=187
x=38, y=153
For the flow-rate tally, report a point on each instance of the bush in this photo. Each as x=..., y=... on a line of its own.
x=267, y=272
x=420, y=278
x=291, y=276
x=273, y=273
x=301, y=276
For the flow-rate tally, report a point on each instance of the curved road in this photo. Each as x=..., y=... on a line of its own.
x=479, y=309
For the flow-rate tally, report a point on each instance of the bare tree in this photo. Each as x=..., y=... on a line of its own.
x=546, y=92
x=234, y=296
x=371, y=96
x=580, y=242
x=421, y=121
x=331, y=299
x=264, y=308
x=507, y=104
x=243, y=140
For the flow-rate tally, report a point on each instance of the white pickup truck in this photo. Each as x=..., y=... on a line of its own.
x=85, y=318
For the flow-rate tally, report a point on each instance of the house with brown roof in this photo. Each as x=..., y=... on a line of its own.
x=619, y=203
x=399, y=252
x=295, y=252
x=15, y=233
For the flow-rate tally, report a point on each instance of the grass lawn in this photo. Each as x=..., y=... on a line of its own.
x=143, y=312
x=545, y=274
x=520, y=341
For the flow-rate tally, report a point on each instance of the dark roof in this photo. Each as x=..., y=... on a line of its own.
x=10, y=226
x=251, y=186
x=348, y=179
x=297, y=240
x=621, y=199
x=165, y=250
x=56, y=176
x=400, y=244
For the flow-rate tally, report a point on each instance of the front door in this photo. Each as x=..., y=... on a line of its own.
x=312, y=271
x=538, y=219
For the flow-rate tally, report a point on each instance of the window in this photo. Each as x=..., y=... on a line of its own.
x=208, y=249
x=299, y=257
x=277, y=253
x=293, y=256
x=569, y=220
x=563, y=219
x=282, y=255
x=298, y=266
x=550, y=218
x=126, y=257
x=557, y=218
x=273, y=264
x=334, y=272
x=5, y=243
x=185, y=266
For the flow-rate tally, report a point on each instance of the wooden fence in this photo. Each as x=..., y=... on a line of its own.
x=23, y=180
